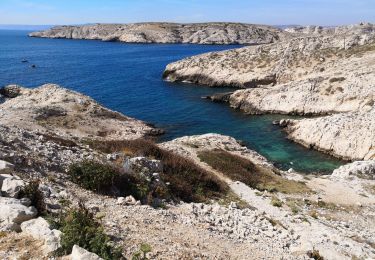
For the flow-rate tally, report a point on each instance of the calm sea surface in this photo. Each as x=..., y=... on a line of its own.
x=127, y=78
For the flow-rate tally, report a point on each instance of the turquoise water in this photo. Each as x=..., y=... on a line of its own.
x=127, y=78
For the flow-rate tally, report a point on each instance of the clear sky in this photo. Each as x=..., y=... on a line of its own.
x=275, y=12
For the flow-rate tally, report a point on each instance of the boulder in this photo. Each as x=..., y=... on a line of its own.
x=78, y=253
x=143, y=166
x=12, y=186
x=40, y=229
x=5, y=167
x=13, y=213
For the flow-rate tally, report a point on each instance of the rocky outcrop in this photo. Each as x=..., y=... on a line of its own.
x=200, y=33
x=13, y=212
x=12, y=186
x=319, y=71
x=271, y=64
x=362, y=169
x=51, y=108
x=346, y=135
x=40, y=229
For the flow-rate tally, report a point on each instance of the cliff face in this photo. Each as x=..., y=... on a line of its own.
x=319, y=71
x=204, y=33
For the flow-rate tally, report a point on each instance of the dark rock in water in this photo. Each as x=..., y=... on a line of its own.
x=10, y=91
x=33, y=66
x=220, y=97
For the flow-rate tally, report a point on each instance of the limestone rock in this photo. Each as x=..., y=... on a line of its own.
x=360, y=169
x=198, y=33
x=5, y=167
x=12, y=186
x=143, y=166
x=346, y=135
x=78, y=253
x=40, y=229
x=13, y=213
x=60, y=108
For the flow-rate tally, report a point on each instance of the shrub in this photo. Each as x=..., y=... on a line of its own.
x=243, y=170
x=142, y=253
x=32, y=192
x=188, y=181
x=92, y=175
x=79, y=227
x=107, y=179
x=276, y=202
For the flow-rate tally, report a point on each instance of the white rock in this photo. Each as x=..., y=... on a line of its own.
x=359, y=168
x=78, y=253
x=130, y=200
x=5, y=167
x=40, y=229
x=144, y=165
x=13, y=213
x=12, y=186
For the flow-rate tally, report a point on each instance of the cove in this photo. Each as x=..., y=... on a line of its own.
x=127, y=78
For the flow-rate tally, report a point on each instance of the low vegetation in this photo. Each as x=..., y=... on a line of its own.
x=80, y=227
x=187, y=181
x=32, y=192
x=108, y=180
x=243, y=170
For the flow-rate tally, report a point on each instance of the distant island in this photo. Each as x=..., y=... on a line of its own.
x=198, y=33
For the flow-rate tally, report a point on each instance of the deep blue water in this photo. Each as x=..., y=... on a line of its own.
x=127, y=78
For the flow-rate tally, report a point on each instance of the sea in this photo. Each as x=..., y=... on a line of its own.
x=128, y=78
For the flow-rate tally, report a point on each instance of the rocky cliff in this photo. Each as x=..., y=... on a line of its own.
x=200, y=33
x=318, y=71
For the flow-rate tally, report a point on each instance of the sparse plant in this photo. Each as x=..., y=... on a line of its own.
x=32, y=192
x=276, y=202
x=79, y=227
x=314, y=254
x=142, y=253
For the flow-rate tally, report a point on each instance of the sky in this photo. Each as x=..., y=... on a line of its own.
x=273, y=12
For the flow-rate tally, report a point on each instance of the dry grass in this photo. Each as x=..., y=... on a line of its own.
x=243, y=170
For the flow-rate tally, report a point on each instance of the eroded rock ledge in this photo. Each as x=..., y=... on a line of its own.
x=51, y=108
x=200, y=33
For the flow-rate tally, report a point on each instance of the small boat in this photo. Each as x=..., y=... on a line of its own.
x=24, y=61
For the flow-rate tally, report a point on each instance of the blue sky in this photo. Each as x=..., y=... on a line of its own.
x=321, y=12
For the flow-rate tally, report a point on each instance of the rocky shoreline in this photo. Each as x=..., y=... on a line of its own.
x=315, y=72
x=289, y=216
x=199, y=33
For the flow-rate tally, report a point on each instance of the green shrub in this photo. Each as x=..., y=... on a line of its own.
x=79, y=227
x=92, y=175
x=32, y=192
